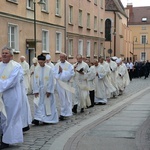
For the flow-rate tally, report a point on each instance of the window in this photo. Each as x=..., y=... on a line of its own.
x=95, y=23
x=70, y=14
x=45, y=41
x=80, y=47
x=88, y=50
x=58, y=42
x=143, y=27
x=13, y=36
x=88, y=20
x=12, y=1
x=108, y=30
x=80, y=17
x=143, y=56
x=102, y=3
x=30, y=4
x=143, y=39
x=95, y=49
x=144, y=19
x=45, y=5
x=58, y=7
x=70, y=47
x=101, y=26
x=95, y=2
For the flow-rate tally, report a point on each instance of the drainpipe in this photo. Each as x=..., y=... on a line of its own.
x=114, y=33
x=65, y=34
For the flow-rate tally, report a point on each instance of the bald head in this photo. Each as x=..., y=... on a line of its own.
x=79, y=58
x=22, y=58
x=63, y=57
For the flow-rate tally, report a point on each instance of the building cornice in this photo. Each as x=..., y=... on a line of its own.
x=83, y=36
x=19, y=18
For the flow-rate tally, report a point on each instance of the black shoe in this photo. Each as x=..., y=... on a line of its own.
x=90, y=106
x=82, y=110
x=61, y=118
x=74, y=109
x=35, y=122
x=100, y=103
x=4, y=145
x=44, y=123
x=26, y=129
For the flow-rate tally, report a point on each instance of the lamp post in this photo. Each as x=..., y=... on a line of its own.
x=133, y=46
x=41, y=2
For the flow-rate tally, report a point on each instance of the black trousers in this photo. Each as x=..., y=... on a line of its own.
x=92, y=96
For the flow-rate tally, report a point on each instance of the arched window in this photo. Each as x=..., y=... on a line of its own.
x=108, y=30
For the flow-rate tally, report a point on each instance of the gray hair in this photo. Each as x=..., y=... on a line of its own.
x=8, y=48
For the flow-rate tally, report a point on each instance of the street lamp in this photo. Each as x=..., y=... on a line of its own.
x=41, y=2
x=134, y=40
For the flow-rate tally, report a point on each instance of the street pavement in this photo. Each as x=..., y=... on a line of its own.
x=122, y=120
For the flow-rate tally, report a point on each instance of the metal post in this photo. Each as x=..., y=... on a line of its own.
x=35, y=26
x=144, y=51
x=133, y=51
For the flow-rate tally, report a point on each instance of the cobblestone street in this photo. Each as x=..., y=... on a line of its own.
x=42, y=136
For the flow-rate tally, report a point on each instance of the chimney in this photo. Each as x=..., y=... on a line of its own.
x=130, y=8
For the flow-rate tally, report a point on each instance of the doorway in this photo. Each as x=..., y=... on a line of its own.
x=31, y=55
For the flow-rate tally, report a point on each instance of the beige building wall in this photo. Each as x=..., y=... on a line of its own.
x=139, y=48
x=121, y=43
x=22, y=17
x=83, y=33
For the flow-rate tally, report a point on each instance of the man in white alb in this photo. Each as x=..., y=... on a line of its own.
x=10, y=100
x=63, y=72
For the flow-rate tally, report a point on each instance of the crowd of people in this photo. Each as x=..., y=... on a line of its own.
x=79, y=86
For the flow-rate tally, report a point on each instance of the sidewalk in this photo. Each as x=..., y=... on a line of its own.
x=118, y=128
x=44, y=136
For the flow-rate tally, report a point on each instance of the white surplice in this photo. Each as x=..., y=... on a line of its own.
x=64, y=92
x=81, y=86
x=44, y=82
x=26, y=73
x=113, y=76
x=10, y=87
x=100, y=87
x=32, y=68
x=107, y=80
x=121, y=78
x=26, y=111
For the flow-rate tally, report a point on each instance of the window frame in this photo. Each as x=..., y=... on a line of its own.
x=70, y=47
x=80, y=18
x=142, y=56
x=16, y=37
x=58, y=9
x=47, y=41
x=30, y=2
x=70, y=14
x=60, y=42
x=95, y=47
x=45, y=6
x=143, y=38
x=95, y=23
x=88, y=21
x=88, y=49
x=80, y=47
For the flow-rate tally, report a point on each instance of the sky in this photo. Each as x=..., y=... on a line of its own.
x=136, y=3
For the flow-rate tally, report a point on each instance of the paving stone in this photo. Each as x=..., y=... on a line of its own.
x=49, y=133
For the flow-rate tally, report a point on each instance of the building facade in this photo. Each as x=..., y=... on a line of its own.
x=20, y=18
x=117, y=33
x=85, y=28
x=139, y=23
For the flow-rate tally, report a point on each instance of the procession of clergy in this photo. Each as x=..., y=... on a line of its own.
x=79, y=86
